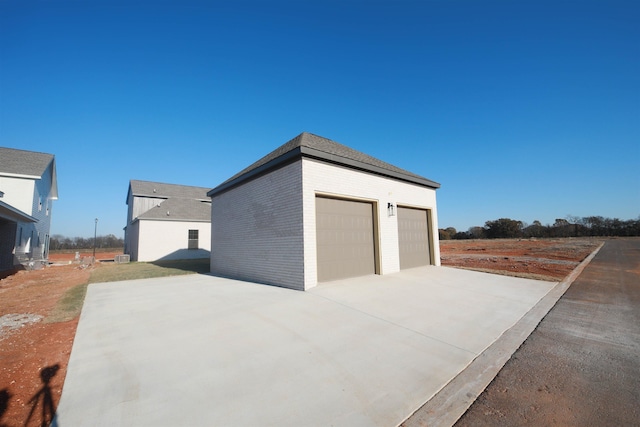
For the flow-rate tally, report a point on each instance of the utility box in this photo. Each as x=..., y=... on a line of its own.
x=121, y=259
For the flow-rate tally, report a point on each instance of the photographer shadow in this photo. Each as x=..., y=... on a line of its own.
x=44, y=394
x=5, y=396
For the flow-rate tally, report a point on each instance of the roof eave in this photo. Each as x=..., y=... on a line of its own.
x=8, y=211
x=286, y=157
x=54, y=180
x=302, y=151
x=138, y=219
x=365, y=167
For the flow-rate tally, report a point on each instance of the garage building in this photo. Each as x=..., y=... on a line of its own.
x=314, y=211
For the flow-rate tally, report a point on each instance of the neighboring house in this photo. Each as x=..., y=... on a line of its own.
x=28, y=186
x=314, y=211
x=167, y=221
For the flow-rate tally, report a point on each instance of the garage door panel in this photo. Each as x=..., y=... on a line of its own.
x=413, y=237
x=345, y=238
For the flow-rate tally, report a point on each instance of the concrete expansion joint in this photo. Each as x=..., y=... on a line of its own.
x=395, y=324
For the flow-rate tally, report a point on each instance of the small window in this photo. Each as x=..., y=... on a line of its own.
x=40, y=204
x=193, y=239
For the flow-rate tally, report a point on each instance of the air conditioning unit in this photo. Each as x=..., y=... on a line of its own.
x=122, y=259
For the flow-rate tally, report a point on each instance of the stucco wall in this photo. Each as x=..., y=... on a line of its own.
x=163, y=240
x=256, y=229
x=323, y=178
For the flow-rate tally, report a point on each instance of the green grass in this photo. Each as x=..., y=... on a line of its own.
x=70, y=305
x=145, y=270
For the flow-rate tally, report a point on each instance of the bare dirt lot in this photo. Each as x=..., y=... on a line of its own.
x=36, y=340
x=543, y=259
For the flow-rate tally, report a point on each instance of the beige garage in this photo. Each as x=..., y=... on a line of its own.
x=345, y=237
x=413, y=237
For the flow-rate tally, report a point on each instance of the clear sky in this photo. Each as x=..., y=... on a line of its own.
x=522, y=109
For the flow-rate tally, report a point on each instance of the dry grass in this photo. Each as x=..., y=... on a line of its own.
x=70, y=304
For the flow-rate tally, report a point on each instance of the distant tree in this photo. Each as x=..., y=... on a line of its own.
x=462, y=235
x=560, y=222
x=447, y=233
x=503, y=228
x=476, y=232
x=572, y=226
x=536, y=229
x=58, y=242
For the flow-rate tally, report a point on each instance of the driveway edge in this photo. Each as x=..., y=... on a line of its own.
x=453, y=400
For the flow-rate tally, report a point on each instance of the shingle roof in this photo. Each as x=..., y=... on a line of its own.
x=317, y=147
x=179, y=209
x=21, y=162
x=166, y=191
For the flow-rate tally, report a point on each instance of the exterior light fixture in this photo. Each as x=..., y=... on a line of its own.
x=390, y=209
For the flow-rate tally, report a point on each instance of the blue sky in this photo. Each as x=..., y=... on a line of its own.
x=522, y=109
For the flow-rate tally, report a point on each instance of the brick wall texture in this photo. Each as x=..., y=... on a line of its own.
x=265, y=229
x=256, y=230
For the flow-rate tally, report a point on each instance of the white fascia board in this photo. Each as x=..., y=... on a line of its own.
x=19, y=175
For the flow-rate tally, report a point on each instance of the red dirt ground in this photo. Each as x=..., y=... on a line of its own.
x=34, y=357
x=70, y=256
x=544, y=259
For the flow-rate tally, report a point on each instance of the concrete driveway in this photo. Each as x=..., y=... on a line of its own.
x=201, y=350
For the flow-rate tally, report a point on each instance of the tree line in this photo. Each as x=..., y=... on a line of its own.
x=58, y=242
x=507, y=228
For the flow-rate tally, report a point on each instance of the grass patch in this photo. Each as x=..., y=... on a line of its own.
x=70, y=305
x=145, y=270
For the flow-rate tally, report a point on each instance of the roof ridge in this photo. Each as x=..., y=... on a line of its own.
x=28, y=151
x=164, y=183
x=313, y=146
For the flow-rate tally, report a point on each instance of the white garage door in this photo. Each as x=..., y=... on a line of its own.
x=413, y=236
x=345, y=238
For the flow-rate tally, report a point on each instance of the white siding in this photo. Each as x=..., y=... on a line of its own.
x=132, y=239
x=33, y=197
x=142, y=204
x=18, y=192
x=256, y=229
x=164, y=240
x=322, y=178
x=41, y=201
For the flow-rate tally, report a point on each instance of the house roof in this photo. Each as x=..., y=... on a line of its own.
x=316, y=147
x=166, y=191
x=29, y=164
x=176, y=209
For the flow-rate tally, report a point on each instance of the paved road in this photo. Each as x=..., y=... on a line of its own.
x=581, y=366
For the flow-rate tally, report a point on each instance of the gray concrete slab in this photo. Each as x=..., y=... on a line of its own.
x=202, y=350
x=451, y=402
